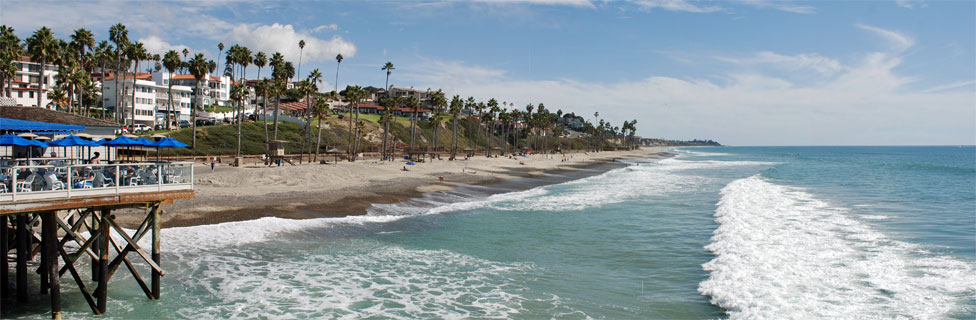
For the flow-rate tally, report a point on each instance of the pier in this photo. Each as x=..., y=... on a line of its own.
x=62, y=215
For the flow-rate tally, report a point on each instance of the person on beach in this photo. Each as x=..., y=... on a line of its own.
x=404, y=168
x=212, y=165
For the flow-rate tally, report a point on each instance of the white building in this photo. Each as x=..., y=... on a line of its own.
x=151, y=98
x=216, y=90
x=182, y=98
x=25, y=82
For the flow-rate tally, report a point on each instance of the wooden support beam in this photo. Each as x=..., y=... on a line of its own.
x=97, y=247
x=49, y=237
x=4, y=267
x=101, y=293
x=140, y=232
x=22, y=242
x=128, y=264
x=135, y=246
x=79, y=281
x=156, y=241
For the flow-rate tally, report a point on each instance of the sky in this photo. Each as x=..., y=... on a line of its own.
x=746, y=72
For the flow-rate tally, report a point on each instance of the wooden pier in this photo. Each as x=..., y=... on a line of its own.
x=75, y=227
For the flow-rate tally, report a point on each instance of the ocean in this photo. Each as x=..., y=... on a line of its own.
x=726, y=232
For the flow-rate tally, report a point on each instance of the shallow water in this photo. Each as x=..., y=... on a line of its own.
x=757, y=233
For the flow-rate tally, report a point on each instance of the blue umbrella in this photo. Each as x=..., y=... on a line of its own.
x=13, y=140
x=122, y=141
x=167, y=143
x=71, y=141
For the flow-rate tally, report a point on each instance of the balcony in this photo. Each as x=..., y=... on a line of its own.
x=55, y=181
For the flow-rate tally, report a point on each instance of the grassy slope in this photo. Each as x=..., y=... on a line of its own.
x=222, y=139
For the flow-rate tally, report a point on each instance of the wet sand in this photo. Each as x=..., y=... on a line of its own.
x=315, y=191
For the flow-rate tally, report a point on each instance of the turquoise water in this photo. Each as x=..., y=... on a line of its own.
x=756, y=233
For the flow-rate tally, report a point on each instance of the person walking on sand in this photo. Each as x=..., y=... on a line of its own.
x=212, y=165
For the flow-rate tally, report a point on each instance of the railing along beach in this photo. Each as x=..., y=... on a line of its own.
x=42, y=182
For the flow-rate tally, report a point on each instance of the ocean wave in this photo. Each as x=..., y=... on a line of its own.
x=365, y=280
x=781, y=253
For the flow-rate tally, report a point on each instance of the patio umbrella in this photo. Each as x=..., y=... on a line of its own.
x=167, y=143
x=123, y=141
x=146, y=143
x=71, y=141
x=12, y=140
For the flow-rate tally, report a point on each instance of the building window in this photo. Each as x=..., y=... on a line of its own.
x=20, y=94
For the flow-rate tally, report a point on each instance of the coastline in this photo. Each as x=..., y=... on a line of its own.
x=311, y=191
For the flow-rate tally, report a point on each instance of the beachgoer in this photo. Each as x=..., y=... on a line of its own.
x=212, y=165
x=404, y=168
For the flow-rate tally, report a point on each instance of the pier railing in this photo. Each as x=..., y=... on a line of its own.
x=43, y=182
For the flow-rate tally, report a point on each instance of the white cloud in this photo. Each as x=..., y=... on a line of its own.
x=284, y=39
x=325, y=27
x=574, y=3
x=911, y=4
x=864, y=103
x=898, y=41
x=157, y=45
x=781, y=5
x=795, y=63
x=676, y=5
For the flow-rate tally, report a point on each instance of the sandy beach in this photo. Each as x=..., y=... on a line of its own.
x=348, y=188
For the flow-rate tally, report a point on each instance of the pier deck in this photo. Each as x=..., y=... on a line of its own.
x=68, y=200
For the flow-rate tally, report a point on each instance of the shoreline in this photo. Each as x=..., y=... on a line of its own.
x=231, y=194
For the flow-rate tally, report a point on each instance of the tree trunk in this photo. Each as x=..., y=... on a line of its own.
x=134, y=74
x=193, y=115
x=437, y=125
x=386, y=128
x=454, y=137
x=40, y=82
x=264, y=115
x=318, y=141
x=277, y=104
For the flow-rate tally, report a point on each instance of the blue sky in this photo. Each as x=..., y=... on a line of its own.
x=750, y=72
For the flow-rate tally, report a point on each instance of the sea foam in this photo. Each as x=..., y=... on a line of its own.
x=782, y=253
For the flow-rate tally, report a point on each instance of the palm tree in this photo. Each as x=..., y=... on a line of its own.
x=385, y=119
x=199, y=67
x=414, y=104
x=437, y=102
x=10, y=51
x=82, y=39
x=301, y=49
x=136, y=52
x=171, y=60
x=238, y=93
x=456, y=105
x=492, y=109
x=389, y=69
x=243, y=58
x=338, y=62
x=260, y=60
x=220, y=51
x=278, y=73
x=103, y=54
x=353, y=95
x=120, y=36
x=41, y=45
x=263, y=88
x=322, y=109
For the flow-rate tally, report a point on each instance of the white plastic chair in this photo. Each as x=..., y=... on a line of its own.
x=27, y=184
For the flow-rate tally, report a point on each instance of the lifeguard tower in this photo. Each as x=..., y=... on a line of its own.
x=276, y=152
